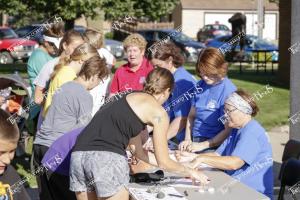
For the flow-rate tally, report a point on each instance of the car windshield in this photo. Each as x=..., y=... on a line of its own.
x=179, y=37
x=7, y=34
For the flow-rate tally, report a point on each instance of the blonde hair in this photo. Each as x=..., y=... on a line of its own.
x=135, y=40
x=94, y=37
x=68, y=38
x=82, y=52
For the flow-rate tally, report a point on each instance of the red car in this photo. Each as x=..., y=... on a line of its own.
x=210, y=31
x=14, y=48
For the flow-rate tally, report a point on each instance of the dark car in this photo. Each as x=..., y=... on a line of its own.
x=34, y=32
x=189, y=47
x=253, y=43
x=211, y=31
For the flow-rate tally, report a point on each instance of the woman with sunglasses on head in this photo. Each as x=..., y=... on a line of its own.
x=40, y=56
x=204, y=128
x=246, y=154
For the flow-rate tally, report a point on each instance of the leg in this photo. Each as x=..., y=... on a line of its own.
x=86, y=196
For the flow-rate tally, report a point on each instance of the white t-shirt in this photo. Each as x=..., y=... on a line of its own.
x=109, y=57
x=45, y=73
x=99, y=93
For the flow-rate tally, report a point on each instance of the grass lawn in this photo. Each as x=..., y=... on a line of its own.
x=274, y=106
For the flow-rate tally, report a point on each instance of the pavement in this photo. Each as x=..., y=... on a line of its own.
x=278, y=137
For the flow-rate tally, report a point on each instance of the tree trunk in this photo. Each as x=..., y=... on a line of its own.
x=69, y=24
x=283, y=74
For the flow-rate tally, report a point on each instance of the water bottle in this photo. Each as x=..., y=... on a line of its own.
x=5, y=92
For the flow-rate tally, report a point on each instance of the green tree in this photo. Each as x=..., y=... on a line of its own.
x=150, y=10
x=69, y=10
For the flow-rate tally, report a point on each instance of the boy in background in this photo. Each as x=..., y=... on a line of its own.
x=11, y=186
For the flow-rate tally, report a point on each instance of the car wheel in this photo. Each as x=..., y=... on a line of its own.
x=5, y=58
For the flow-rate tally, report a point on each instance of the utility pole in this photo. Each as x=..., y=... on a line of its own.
x=260, y=18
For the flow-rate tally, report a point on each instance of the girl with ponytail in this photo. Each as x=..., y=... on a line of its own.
x=67, y=70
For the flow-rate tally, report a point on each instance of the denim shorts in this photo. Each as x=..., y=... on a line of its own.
x=104, y=172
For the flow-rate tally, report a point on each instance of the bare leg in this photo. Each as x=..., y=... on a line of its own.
x=86, y=195
x=121, y=195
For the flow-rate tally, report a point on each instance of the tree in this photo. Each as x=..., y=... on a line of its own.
x=69, y=10
x=152, y=10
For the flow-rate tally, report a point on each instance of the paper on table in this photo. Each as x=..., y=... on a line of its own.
x=142, y=194
x=184, y=182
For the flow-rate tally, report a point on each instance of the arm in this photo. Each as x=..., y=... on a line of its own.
x=176, y=126
x=38, y=95
x=213, y=142
x=186, y=144
x=190, y=123
x=220, y=162
x=114, y=87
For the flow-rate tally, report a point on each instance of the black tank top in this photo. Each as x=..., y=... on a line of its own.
x=111, y=128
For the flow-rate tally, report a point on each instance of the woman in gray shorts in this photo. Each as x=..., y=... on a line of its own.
x=99, y=167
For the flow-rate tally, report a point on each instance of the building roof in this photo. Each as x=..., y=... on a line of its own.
x=225, y=5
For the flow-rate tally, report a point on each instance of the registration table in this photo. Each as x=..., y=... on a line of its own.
x=221, y=187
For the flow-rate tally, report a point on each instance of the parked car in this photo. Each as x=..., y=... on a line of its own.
x=253, y=43
x=210, y=31
x=189, y=47
x=115, y=47
x=35, y=29
x=14, y=48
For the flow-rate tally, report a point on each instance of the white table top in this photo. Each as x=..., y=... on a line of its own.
x=225, y=188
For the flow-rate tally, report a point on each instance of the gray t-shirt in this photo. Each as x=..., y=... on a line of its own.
x=71, y=108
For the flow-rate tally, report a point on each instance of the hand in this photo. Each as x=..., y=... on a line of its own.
x=196, y=162
x=184, y=156
x=199, y=176
x=185, y=145
x=149, y=145
x=2, y=100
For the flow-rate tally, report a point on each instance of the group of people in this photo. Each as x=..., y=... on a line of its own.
x=90, y=123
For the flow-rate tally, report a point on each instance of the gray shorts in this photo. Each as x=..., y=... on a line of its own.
x=100, y=171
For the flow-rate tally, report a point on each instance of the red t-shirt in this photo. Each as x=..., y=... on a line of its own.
x=126, y=79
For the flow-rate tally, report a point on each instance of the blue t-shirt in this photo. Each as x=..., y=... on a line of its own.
x=209, y=106
x=251, y=144
x=179, y=103
x=35, y=63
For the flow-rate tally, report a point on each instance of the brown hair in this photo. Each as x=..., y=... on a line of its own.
x=94, y=65
x=135, y=39
x=68, y=38
x=94, y=37
x=82, y=52
x=8, y=130
x=247, y=97
x=158, y=80
x=56, y=29
x=166, y=50
x=211, y=62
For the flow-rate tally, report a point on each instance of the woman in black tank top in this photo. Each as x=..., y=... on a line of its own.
x=98, y=157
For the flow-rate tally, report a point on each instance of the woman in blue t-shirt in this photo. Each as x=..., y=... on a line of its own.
x=204, y=127
x=178, y=105
x=246, y=154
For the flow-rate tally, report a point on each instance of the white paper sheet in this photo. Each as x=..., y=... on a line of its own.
x=142, y=194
